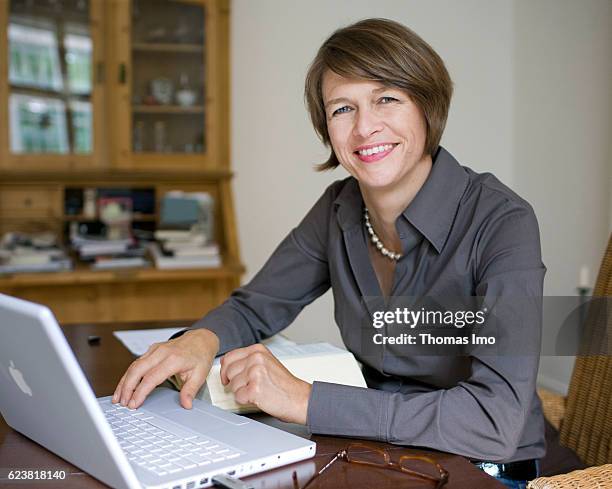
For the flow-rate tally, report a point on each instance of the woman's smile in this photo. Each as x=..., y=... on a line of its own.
x=371, y=153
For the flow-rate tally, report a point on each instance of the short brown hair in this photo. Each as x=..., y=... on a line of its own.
x=387, y=52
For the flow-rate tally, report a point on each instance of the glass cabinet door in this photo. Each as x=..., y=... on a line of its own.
x=51, y=89
x=166, y=84
x=168, y=95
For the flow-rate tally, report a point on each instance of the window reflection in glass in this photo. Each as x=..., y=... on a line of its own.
x=50, y=77
x=78, y=61
x=81, y=126
x=38, y=125
x=34, y=57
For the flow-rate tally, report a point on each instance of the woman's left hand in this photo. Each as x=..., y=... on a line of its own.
x=256, y=376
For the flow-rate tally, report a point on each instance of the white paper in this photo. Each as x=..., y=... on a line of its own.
x=138, y=341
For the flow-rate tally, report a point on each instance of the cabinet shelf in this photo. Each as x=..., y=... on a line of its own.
x=159, y=47
x=167, y=109
x=135, y=177
x=135, y=217
x=82, y=274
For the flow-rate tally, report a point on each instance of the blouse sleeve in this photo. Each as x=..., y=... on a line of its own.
x=296, y=274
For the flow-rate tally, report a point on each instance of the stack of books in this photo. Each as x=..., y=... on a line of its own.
x=183, y=249
x=21, y=253
x=185, y=237
x=105, y=253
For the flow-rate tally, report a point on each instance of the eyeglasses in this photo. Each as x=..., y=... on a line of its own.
x=421, y=467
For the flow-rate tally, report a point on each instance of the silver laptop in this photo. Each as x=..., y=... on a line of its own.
x=45, y=396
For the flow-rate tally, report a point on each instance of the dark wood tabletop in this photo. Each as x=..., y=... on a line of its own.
x=104, y=364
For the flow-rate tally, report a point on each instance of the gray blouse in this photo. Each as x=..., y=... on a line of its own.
x=464, y=234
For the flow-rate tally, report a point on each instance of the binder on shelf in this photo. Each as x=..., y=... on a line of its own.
x=188, y=211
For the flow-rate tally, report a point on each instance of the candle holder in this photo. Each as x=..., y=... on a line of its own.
x=583, y=292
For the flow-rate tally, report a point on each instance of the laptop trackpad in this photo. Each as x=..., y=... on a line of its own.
x=202, y=421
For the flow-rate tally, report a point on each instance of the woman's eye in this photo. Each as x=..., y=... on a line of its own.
x=386, y=100
x=341, y=110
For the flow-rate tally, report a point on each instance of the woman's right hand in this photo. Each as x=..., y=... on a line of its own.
x=189, y=356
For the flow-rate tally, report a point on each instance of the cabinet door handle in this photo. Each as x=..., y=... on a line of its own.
x=122, y=73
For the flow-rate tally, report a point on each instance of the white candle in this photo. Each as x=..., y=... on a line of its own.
x=584, y=281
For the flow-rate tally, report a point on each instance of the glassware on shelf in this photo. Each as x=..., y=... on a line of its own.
x=160, y=136
x=162, y=90
x=185, y=96
x=168, y=97
x=139, y=136
x=182, y=32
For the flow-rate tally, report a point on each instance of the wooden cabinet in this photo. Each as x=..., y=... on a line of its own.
x=30, y=202
x=115, y=94
x=168, y=73
x=131, y=84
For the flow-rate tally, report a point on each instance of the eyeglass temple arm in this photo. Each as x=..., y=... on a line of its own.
x=340, y=454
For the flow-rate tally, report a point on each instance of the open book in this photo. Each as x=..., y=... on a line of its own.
x=309, y=362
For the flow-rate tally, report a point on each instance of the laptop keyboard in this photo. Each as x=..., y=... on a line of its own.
x=153, y=444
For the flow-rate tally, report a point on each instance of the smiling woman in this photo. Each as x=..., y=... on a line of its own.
x=410, y=221
x=377, y=133
x=395, y=59
x=379, y=96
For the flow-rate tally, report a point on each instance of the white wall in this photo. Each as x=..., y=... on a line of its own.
x=502, y=62
x=562, y=128
x=274, y=146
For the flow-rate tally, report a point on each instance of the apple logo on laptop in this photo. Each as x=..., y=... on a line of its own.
x=19, y=380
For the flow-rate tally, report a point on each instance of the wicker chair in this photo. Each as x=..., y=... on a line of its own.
x=584, y=418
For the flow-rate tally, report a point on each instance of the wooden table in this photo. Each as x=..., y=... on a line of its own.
x=103, y=365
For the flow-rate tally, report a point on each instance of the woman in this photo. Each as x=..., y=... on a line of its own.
x=409, y=221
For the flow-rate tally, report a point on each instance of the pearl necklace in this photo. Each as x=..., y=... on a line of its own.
x=376, y=240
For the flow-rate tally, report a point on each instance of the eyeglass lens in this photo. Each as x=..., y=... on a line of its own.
x=364, y=454
x=415, y=466
x=420, y=467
